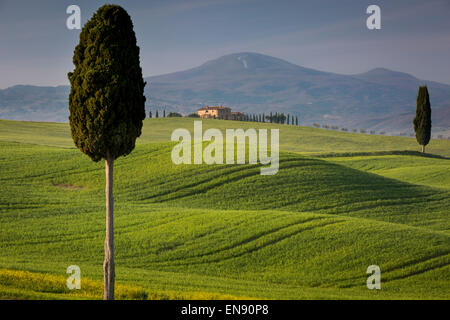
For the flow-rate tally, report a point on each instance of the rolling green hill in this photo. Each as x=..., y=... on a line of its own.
x=303, y=140
x=339, y=203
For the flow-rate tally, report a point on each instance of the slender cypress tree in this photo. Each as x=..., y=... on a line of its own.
x=164, y=113
x=156, y=115
x=422, y=121
x=150, y=113
x=296, y=120
x=270, y=117
x=107, y=103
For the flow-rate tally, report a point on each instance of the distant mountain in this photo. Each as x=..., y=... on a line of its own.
x=251, y=82
x=35, y=103
x=256, y=83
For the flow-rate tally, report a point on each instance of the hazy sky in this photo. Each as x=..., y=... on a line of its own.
x=329, y=35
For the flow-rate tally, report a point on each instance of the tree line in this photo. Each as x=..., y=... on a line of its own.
x=276, y=117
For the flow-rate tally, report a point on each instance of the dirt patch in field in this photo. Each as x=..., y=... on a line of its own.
x=68, y=186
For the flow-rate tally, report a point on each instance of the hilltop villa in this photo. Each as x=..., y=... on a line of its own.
x=219, y=112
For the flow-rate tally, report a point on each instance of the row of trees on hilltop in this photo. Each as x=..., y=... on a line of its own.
x=280, y=118
x=273, y=118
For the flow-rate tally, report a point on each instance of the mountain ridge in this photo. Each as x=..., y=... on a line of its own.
x=380, y=98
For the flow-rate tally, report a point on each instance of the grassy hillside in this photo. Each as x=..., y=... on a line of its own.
x=225, y=231
x=303, y=140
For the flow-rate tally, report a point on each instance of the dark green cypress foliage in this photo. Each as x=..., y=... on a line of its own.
x=156, y=115
x=164, y=113
x=422, y=121
x=270, y=117
x=150, y=113
x=106, y=99
x=296, y=120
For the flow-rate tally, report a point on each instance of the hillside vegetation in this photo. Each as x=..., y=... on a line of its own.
x=304, y=140
x=339, y=203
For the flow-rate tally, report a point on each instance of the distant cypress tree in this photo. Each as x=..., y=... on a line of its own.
x=150, y=113
x=107, y=103
x=422, y=121
x=156, y=115
x=164, y=113
x=296, y=120
x=264, y=118
x=288, y=118
x=270, y=117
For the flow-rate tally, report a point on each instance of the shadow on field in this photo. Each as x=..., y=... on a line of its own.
x=382, y=153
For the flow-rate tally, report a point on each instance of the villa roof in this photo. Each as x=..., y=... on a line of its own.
x=214, y=108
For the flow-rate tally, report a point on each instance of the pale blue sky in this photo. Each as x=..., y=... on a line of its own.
x=330, y=35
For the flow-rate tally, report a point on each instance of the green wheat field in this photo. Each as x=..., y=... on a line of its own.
x=339, y=203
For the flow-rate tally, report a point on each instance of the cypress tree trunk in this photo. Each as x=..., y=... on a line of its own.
x=423, y=149
x=108, y=265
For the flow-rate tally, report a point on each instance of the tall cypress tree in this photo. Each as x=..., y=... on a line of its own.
x=107, y=103
x=422, y=121
x=156, y=114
